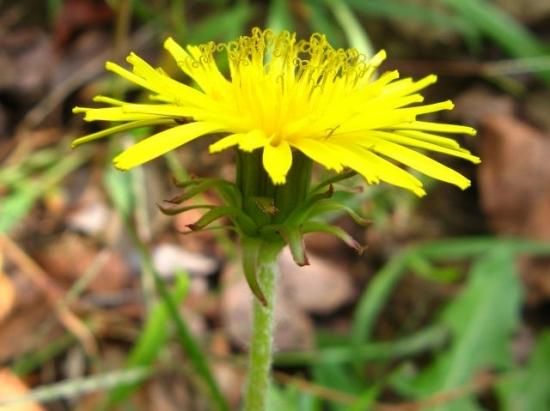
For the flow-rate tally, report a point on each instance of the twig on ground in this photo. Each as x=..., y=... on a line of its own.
x=53, y=293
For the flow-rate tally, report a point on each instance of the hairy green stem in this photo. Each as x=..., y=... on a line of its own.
x=261, y=343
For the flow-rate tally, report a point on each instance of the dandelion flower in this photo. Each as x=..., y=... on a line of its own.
x=284, y=95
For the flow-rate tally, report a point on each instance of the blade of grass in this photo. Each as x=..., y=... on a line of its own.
x=425, y=340
x=12, y=175
x=177, y=18
x=119, y=188
x=150, y=342
x=510, y=35
x=402, y=10
x=321, y=22
x=16, y=205
x=190, y=346
x=366, y=400
x=480, y=332
x=79, y=386
x=279, y=16
x=356, y=36
x=54, y=6
x=373, y=299
x=471, y=247
x=186, y=340
x=34, y=359
x=225, y=25
x=527, y=389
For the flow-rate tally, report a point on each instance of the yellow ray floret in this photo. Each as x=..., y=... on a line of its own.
x=280, y=95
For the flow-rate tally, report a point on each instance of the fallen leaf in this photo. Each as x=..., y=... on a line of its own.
x=7, y=296
x=515, y=191
x=91, y=219
x=25, y=49
x=76, y=15
x=171, y=258
x=537, y=107
x=172, y=393
x=320, y=287
x=18, y=332
x=71, y=256
x=477, y=103
x=514, y=177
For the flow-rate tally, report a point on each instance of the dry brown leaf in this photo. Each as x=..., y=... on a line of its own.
x=320, y=287
x=7, y=296
x=71, y=255
x=515, y=190
x=515, y=177
x=22, y=330
x=7, y=291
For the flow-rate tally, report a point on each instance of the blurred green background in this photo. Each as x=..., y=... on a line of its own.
x=105, y=305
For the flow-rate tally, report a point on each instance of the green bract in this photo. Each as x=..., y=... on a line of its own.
x=263, y=213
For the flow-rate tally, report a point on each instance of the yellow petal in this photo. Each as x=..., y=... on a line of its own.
x=108, y=100
x=437, y=127
x=163, y=110
x=319, y=152
x=277, y=161
x=207, y=76
x=161, y=143
x=225, y=143
x=413, y=142
x=112, y=114
x=422, y=163
x=405, y=87
x=430, y=108
x=253, y=140
x=117, y=129
x=428, y=137
x=165, y=85
x=128, y=75
x=374, y=168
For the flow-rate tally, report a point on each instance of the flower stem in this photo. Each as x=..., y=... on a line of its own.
x=262, y=331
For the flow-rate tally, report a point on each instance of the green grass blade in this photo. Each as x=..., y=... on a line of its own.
x=321, y=21
x=472, y=247
x=510, y=35
x=528, y=389
x=188, y=343
x=495, y=23
x=77, y=387
x=34, y=359
x=150, y=342
x=355, y=34
x=226, y=25
x=279, y=16
x=119, y=186
x=425, y=340
x=481, y=320
x=407, y=11
x=12, y=175
x=16, y=205
x=375, y=296
x=366, y=400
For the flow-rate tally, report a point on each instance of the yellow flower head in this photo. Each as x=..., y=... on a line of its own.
x=284, y=95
